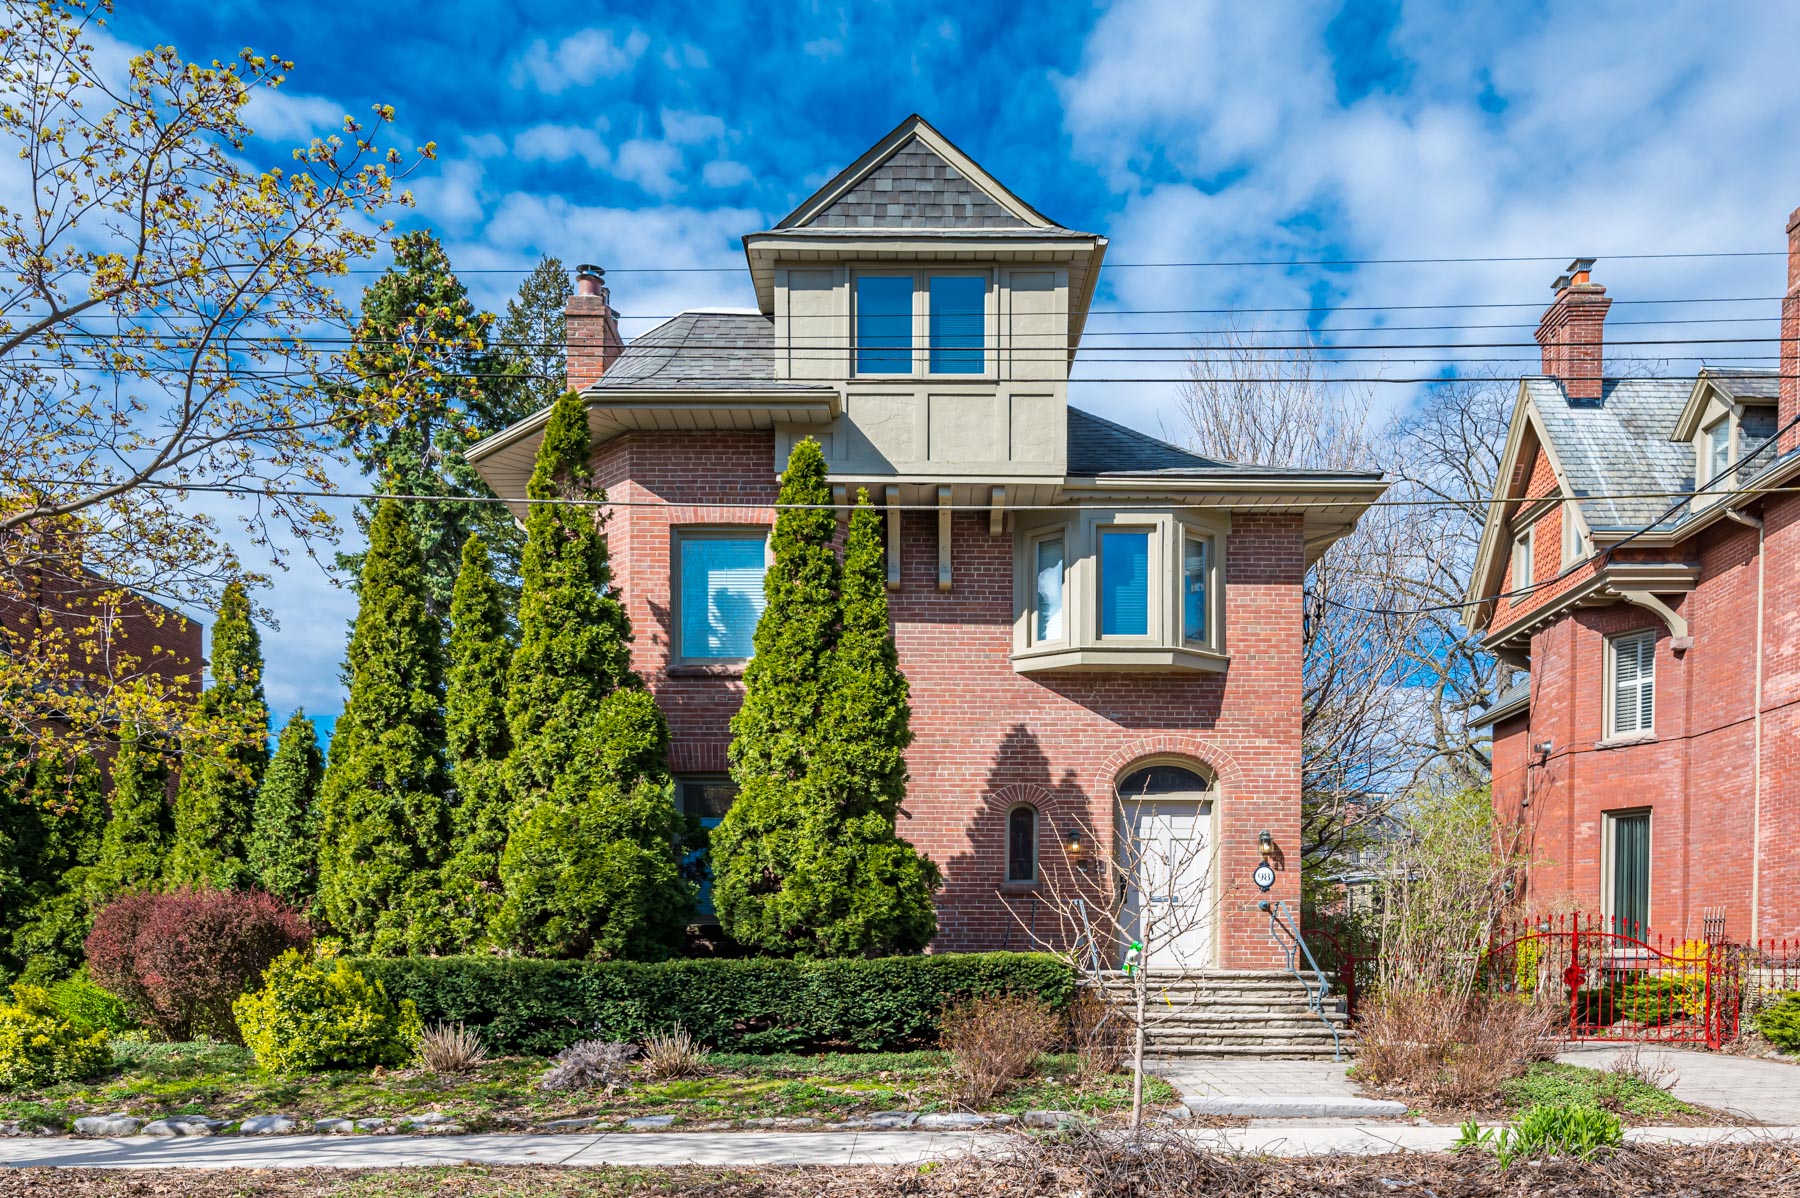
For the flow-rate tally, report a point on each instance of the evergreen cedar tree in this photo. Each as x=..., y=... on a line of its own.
x=532, y=338
x=806, y=861
x=593, y=863
x=51, y=817
x=284, y=831
x=384, y=818
x=219, y=776
x=422, y=345
x=479, y=742
x=138, y=828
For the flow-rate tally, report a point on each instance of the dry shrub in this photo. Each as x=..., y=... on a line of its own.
x=1099, y=1035
x=673, y=1054
x=994, y=1040
x=589, y=1065
x=1451, y=1049
x=450, y=1048
x=1630, y=1065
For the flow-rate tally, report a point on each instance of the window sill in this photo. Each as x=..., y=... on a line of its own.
x=1020, y=887
x=695, y=669
x=1117, y=658
x=1620, y=742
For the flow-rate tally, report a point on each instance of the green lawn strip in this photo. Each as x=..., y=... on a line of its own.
x=222, y=1081
x=1553, y=1083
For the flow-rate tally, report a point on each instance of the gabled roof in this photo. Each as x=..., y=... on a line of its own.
x=1617, y=446
x=1734, y=386
x=1100, y=448
x=702, y=351
x=915, y=178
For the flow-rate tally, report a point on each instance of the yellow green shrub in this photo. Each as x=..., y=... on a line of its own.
x=39, y=1047
x=320, y=1013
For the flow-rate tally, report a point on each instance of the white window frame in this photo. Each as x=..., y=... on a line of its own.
x=704, y=532
x=921, y=323
x=1636, y=638
x=1710, y=447
x=1574, y=546
x=1065, y=534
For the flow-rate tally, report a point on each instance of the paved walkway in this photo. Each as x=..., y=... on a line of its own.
x=1767, y=1091
x=717, y=1148
x=1303, y=1089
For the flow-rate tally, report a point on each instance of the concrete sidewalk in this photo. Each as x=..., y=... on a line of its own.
x=743, y=1149
x=1272, y=1088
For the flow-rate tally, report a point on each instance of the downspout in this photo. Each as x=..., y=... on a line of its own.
x=1757, y=724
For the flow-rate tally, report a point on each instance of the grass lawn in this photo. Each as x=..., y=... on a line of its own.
x=221, y=1080
x=1635, y=1101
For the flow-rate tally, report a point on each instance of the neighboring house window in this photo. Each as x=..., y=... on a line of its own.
x=719, y=593
x=706, y=797
x=1196, y=553
x=1633, y=671
x=1572, y=550
x=884, y=324
x=1628, y=862
x=1047, y=604
x=1021, y=844
x=1522, y=563
x=1124, y=582
x=1718, y=449
x=958, y=324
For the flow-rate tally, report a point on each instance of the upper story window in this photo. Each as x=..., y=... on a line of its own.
x=1573, y=549
x=1125, y=582
x=897, y=312
x=1718, y=448
x=1195, y=586
x=1522, y=560
x=718, y=592
x=1631, y=674
x=1048, y=557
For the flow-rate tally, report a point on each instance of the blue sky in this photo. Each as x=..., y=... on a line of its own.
x=1185, y=130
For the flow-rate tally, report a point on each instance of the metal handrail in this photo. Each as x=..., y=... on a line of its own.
x=1281, y=920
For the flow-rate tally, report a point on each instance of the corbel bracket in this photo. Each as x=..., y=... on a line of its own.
x=1677, y=625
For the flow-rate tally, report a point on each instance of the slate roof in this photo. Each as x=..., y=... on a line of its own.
x=1745, y=383
x=702, y=351
x=915, y=189
x=1097, y=446
x=1513, y=696
x=1618, y=445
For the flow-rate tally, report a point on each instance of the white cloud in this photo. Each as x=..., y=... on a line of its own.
x=579, y=59
x=281, y=115
x=691, y=128
x=725, y=173
x=652, y=165
x=562, y=143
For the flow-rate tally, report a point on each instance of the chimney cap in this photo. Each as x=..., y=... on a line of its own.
x=589, y=270
x=1561, y=285
x=1582, y=265
x=589, y=280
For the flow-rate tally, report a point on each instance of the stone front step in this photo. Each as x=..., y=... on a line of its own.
x=1232, y=1014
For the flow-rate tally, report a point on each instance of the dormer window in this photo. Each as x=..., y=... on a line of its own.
x=896, y=313
x=1717, y=442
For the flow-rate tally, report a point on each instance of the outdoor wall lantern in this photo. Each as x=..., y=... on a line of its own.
x=1072, y=838
x=1265, y=844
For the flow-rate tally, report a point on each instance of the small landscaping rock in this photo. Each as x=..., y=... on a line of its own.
x=268, y=1125
x=108, y=1125
x=428, y=1119
x=1181, y=1112
x=895, y=1118
x=572, y=1124
x=1051, y=1119
x=334, y=1126
x=183, y=1125
x=371, y=1125
x=649, y=1122
x=952, y=1120
x=797, y=1121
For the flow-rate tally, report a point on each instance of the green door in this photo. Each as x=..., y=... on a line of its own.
x=1631, y=874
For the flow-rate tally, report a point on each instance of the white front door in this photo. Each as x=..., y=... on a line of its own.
x=1166, y=846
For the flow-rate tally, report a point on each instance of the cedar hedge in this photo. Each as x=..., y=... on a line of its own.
x=760, y=1005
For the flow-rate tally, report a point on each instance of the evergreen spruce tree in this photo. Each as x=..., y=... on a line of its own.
x=52, y=814
x=806, y=861
x=592, y=863
x=479, y=740
x=383, y=819
x=532, y=338
x=139, y=823
x=284, y=833
x=220, y=775
x=422, y=346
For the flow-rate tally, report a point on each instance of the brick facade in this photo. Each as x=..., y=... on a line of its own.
x=987, y=736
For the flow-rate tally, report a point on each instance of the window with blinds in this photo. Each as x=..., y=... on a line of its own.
x=720, y=595
x=957, y=316
x=1633, y=682
x=1125, y=582
x=1630, y=898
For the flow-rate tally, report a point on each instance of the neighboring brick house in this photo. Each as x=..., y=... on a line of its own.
x=1652, y=755
x=1075, y=604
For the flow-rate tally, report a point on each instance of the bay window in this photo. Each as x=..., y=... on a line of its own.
x=1124, y=582
x=1047, y=600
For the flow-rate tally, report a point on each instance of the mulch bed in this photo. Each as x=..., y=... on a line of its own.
x=1092, y=1166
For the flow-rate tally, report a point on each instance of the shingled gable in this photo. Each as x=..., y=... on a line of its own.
x=915, y=178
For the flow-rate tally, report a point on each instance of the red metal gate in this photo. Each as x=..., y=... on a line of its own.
x=1621, y=984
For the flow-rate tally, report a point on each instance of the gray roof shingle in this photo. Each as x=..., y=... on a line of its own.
x=702, y=351
x=915, y=189
x=1618, y=446
x=1746, y=383
x=1518, y=693
x=1098, y=446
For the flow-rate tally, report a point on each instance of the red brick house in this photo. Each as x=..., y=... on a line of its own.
x=1651, y=757
x=1079, y=608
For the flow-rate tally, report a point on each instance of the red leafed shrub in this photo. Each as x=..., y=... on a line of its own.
x=179, y=959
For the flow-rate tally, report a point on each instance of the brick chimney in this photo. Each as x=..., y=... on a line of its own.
x=1572, y=333
x=592, y=336
x=1789, y=407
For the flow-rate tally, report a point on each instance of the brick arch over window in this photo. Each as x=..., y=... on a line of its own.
x=1221, y=764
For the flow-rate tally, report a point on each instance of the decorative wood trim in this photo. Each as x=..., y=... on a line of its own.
x=997, y=513
x=944, y=518
x=890, y=495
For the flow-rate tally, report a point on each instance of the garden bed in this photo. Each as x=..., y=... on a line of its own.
x=221, y=1081
x=1636, y=1102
